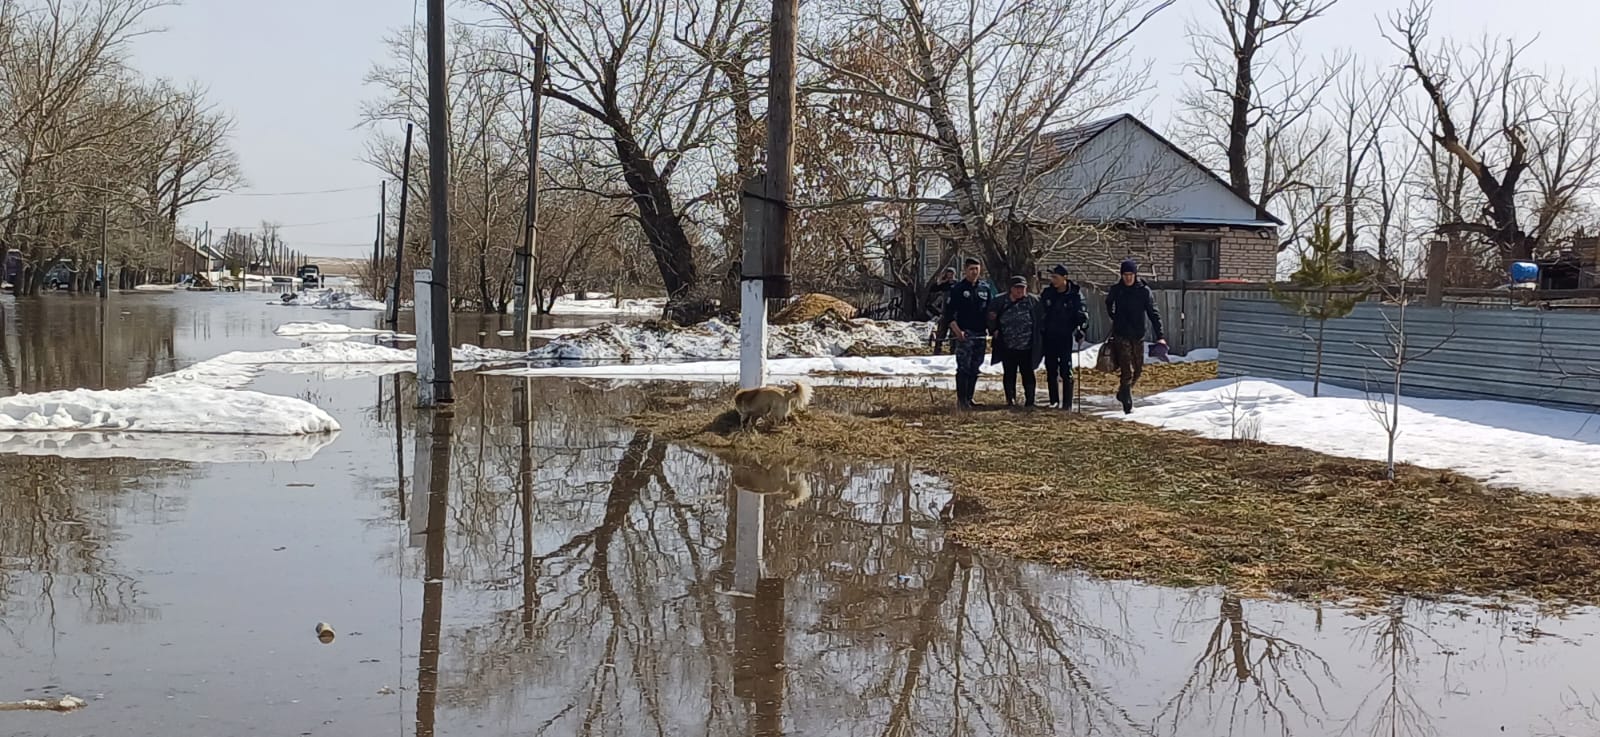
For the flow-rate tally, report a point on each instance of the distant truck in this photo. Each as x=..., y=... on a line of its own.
x=310, y=276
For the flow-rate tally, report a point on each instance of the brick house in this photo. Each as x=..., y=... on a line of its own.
x=1116, y=189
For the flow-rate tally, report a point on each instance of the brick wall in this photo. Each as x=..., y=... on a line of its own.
x=1094, y=255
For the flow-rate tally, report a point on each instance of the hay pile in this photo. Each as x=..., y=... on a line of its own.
x=809, y=307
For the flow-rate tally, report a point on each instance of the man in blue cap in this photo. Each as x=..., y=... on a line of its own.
x=1128, y=303
x=1063, y=318
x=966, y=314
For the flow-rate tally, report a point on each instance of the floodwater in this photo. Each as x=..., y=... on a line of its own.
x=486, y=575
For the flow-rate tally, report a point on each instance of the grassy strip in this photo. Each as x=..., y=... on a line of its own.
x=1124, y=500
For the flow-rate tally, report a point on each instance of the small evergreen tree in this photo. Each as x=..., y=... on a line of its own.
x=1322, y=285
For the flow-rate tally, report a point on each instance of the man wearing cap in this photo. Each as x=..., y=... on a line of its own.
x=1063, y=317
x=966, y=317
x=1017, y=341
x=1128, y=303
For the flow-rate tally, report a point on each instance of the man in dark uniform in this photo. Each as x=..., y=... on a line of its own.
x=1128, y=303
x=966, y=316
x=1064, y=317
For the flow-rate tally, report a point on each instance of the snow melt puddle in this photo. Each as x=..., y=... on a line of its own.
x=1531, y=448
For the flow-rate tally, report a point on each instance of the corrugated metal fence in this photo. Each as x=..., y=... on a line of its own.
x=1529, y=356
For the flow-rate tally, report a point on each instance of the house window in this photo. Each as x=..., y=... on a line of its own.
x=1195, y=260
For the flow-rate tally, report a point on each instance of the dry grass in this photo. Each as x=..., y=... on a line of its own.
x=1124, y=500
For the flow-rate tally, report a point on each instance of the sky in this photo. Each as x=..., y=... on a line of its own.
x=291, y=72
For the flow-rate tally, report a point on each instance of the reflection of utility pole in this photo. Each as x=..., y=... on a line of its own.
x=399, y=450
x=432, y=484
x=522, y=415
x=759, y=634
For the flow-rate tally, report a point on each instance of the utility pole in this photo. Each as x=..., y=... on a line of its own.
x=434, y=384
x=522, y=274
x=105, y=266
x=377, y=243
x=767, y=217
x=400, y=237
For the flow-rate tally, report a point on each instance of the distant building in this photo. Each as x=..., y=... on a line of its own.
x=1116, y=189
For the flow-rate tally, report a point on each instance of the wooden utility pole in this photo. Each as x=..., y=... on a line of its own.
x=522, y=273
x=400, y=237
x=768, y=219
x=377, y=243
x=105, y=266
x=434, y=384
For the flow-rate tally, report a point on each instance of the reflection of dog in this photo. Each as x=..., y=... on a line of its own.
x=771, y=403
x=764, y=479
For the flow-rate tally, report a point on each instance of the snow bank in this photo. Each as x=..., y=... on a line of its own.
x=714, y=339
x=167, y=446
x=602, y=304
x=333, y=360
x=306, y=329
x=330, y=299
x=186, y=409
x=544, y=333
x=1532, y=448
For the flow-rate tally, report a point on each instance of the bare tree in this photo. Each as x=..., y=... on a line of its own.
x=987, y=81
x=651, y=74
x=1500, y=123
x=1251, y=105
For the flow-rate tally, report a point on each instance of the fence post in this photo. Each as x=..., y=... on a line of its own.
x=1438, y=253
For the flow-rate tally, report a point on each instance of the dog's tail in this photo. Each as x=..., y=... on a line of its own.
x=802, y=395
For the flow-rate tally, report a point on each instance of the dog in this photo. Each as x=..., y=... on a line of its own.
x=771, y=403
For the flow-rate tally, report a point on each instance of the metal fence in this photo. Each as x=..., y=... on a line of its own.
x=1518, y=355
x=1192, y=311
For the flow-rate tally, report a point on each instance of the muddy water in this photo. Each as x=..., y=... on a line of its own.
x=487, y=574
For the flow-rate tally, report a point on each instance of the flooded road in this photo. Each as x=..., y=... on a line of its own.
x=516, y=566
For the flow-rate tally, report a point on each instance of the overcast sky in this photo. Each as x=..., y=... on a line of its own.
x=291, y=73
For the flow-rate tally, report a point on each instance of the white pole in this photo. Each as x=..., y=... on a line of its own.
x=422, y=281
x=749, y=539
x=752, y=334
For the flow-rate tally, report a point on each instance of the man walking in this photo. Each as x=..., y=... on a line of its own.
x=1063, y=317
x=938, y=294
x=966, y=317
x=1015, y=317
x=1128, y=303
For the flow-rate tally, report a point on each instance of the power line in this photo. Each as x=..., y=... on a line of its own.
x=275, y=226
x=297, y=194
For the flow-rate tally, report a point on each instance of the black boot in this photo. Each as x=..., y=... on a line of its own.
x=1066, y=391
x=1125, y=396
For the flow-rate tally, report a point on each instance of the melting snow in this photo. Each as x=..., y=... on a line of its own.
x=188, y=409
x=1503, y=444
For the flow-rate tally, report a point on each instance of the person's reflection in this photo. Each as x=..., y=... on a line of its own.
x=432, y=484
x=759, y=622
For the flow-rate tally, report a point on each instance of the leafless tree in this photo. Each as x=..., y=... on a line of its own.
x=1252, y=107
x=981, y=84
x=1493, y=123
x=652, y=75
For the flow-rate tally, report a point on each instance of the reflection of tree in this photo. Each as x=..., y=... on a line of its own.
x=62, y=345
x=1390, y=707
x=1255, y=671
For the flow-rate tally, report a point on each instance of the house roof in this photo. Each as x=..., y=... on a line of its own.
x=1067, y=143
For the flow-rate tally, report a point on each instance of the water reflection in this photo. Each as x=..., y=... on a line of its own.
x=432, y=489
x=58, y=343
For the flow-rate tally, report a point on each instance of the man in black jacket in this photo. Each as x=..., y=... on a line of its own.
x=966, y=315
x=1063, y=317
x=1128, y=303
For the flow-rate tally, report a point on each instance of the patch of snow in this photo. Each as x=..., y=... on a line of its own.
x=602, y=304
x=332, y=299
x=167, y=446
x=176, y=409
x=303, y=329
x=155, y=287
x=332, y=360
x=714, y=339
x=544, y=333
x=1532, y=448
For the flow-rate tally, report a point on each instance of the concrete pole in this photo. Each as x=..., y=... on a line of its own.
x=433, y=372
x=765, y=268
x=522, y=276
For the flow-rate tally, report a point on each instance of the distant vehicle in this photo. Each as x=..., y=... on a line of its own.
x=12, y=271
x=60, y=276
x=310, y=275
